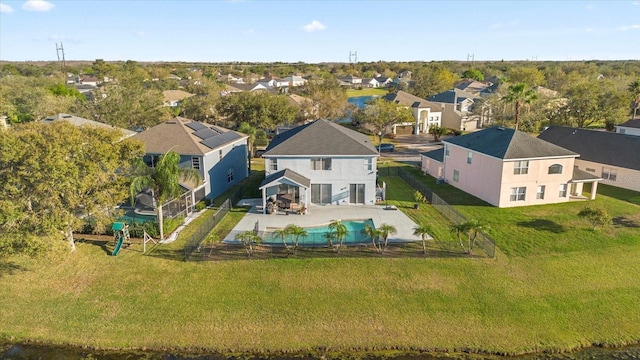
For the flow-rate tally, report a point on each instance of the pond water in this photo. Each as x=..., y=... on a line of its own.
x=360, y=101
x=24, y=352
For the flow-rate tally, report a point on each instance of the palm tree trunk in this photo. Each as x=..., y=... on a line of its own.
x=518, y=106
x=424, y=245
x=160, y=220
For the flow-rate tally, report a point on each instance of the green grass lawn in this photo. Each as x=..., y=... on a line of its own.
x=554, y=286
x=366, y=92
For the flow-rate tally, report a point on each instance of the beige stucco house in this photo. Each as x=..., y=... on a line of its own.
x=614, y=157
x=455, y=106
x=508, y=168
x=422, y=112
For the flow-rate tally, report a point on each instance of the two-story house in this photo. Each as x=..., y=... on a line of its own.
x=320, y=163
x=615, y=157
x=219, y=154
x=508, y=168
x=424, y=114
x=456, y=106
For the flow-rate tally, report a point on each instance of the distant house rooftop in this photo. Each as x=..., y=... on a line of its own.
x=79, y=121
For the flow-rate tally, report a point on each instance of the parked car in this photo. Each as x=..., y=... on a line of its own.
x=385, y=147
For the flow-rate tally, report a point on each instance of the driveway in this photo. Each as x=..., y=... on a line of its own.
x=409, y=147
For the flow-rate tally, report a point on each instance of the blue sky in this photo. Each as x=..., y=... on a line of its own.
x=319, y=31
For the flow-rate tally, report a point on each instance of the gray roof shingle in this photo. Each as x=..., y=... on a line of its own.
x=404, y=98
x=506, y=144
x=320, y=138
x=632, y=123
x=437, y=155
x=288, y=174
x=597, y=146
x=180, y=134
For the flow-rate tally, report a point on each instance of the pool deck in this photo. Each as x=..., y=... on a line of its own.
x=322, y=215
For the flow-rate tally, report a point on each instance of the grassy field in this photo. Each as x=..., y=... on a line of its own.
x=554, y=288
x=366, y=92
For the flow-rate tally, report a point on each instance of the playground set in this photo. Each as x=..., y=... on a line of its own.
x=121, y=236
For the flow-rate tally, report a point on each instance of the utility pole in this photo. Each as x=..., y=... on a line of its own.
x=353, y=57
x=63, y=62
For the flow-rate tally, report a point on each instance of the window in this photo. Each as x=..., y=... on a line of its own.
x=368, y=164
x=555, y=169
x=622, y=131
x=610, y=174
x=219, y=155
x=195, y=162
x=563, y=190
x=540, y=192
x=456, y=175
x=521, y=167
x=356, y=193
x=518, y=193
x=446, y=150
x=273, y=164
x=230, y=175
x=320, y=163
x=590, y=170
x=469, y=157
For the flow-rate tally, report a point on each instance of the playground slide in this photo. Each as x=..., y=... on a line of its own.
x=116, y=250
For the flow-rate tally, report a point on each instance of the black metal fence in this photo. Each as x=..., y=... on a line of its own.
x=483, y=241
x=195, y=240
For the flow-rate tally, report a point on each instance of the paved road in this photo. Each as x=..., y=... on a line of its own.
x=409, y=147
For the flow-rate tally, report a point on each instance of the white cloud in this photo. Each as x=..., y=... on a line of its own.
x=37, y=5
x=5, y=9
x=630, y=27
x=315, y=25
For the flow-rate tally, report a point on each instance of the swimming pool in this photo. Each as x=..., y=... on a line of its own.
x=316, y=235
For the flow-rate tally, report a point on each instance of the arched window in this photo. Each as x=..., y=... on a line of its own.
x=555, y=169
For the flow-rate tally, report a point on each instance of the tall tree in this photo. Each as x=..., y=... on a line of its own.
x=259, y=109
x=162, y=180
x=634, y=89
x=474, y=74
x=380, y=114
x=432, y=79
x=55, y=178
x=519, y=95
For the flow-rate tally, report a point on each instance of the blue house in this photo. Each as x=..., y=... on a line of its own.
x=219, y=154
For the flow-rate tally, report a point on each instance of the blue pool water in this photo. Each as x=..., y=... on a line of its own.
x=316, y=235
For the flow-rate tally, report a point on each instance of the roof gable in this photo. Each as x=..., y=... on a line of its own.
x=506, y=144
x=320, y=138
x=404, y=98
x=631, y=123
x=186, y=137
x=597, y=146
x=452, y=96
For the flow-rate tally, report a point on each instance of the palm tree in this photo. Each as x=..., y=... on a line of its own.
x=634, y=89
x=423, y=231
x=163, y=180
x=460, y=229
x=372, y=233
x=519, y=95
x=283, y=233
x=329, y=235
x=251, y=132
x=248, y=238
x=298, y=232
x=385, y=231
x=475, y=227
x=339, y=231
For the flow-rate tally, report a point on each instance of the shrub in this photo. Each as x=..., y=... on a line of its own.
x=201, y=205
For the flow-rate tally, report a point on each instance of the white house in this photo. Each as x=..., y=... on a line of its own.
x=320, y=163
x=630, y=127
x=424, y=114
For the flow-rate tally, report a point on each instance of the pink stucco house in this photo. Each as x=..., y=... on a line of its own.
x=508, y=168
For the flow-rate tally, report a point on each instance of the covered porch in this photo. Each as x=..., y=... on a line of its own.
x=577, y=182
x=285, y=190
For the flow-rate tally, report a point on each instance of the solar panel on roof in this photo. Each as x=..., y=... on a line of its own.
x=196, y=125
x=217, y=141
x=205, y=133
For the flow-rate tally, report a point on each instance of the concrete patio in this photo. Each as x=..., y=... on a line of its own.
x=322, y=215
